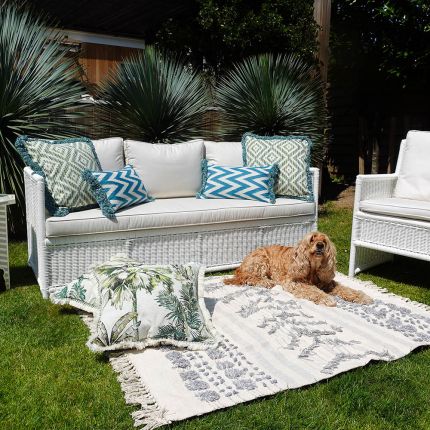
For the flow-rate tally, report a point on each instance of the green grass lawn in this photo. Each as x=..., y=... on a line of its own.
x=50, y=380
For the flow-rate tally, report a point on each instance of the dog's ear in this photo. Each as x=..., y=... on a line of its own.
x=306, y=241
x=330, y=253
x=304, y=245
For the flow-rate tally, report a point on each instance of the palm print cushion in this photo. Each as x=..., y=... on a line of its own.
x=142, y=305
x=82, y=293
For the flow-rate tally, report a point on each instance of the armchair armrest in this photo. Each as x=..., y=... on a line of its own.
x=35, y=202
x=374, y=187
x=315, y=184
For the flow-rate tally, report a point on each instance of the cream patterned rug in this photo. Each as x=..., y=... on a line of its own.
x=270, y=342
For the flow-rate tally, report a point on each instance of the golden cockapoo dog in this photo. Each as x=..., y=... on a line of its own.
x=307, y=271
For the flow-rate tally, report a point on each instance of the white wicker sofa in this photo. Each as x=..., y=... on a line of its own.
x=392, y=211
x=173, y=229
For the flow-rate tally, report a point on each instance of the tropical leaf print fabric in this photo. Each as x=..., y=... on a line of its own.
x=137, y=305
x=143, y=306
x=82, y=293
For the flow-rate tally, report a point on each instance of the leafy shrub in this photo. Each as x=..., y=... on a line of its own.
x=154, y=97
x=273, y=95
x=38, y=86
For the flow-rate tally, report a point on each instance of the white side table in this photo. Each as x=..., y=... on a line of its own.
x=5, y=199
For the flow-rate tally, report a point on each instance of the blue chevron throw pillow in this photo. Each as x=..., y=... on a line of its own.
x=116, y=189
x=250, y=183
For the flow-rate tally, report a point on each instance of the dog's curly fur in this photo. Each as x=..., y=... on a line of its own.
x=307, y=271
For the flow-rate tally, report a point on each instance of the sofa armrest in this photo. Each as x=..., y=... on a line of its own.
x=315, y=185
x=374, y=187
x=35, y=203
x=316, y=188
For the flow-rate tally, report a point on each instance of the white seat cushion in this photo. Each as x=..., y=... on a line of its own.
x=110, y=153
x=175, y=212
x=224, y=153
x=414, y=171
x=395, y=207
x=167, y=170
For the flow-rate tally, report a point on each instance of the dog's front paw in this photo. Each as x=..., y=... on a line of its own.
x=363, y=299
x=326, y=301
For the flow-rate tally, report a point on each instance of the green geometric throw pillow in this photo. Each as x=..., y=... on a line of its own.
x=292, y=154
x=142, y=306
x=61, y=163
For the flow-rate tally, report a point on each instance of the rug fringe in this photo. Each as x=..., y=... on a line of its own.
x=150, y=415
x=372, y=286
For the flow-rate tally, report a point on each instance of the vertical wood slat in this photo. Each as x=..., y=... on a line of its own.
x=322, y=12
x=97, y=60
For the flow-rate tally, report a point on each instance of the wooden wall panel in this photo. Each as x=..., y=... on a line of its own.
x=97, y=60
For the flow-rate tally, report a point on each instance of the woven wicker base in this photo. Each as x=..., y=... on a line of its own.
x=218, y=246
x=376, y=238
x=220, y=249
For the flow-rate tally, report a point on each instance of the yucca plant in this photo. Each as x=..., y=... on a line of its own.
x=273, y=95
x=154, y=97
x=38, y=86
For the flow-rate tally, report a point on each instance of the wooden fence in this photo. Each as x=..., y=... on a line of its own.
x=366, y=133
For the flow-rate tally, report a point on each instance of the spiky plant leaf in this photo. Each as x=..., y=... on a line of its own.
x=39, y=93
x=273, y=95
x=154, y=97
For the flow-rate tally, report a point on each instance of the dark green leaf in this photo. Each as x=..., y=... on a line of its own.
x=121, y=325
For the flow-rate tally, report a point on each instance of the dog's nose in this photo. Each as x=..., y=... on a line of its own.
x=320, y=245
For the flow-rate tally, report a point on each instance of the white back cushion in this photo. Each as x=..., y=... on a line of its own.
x=167, y=170
x=110, y=152
x=224, y=153
x=414, y=170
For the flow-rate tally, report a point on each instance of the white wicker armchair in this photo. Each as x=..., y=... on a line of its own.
x=384, y=221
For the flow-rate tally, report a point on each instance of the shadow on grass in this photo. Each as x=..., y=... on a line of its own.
x=404, y=270
x=21, y=276
x=69, y=310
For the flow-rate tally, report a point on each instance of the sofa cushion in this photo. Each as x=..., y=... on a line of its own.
x=292, y=154
x=167, y=170
x=61, y=163
x=149, y=305
x=110, y=152
x=405, y=208
x=414, y=170
x=175, y=212
x=224, y=153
